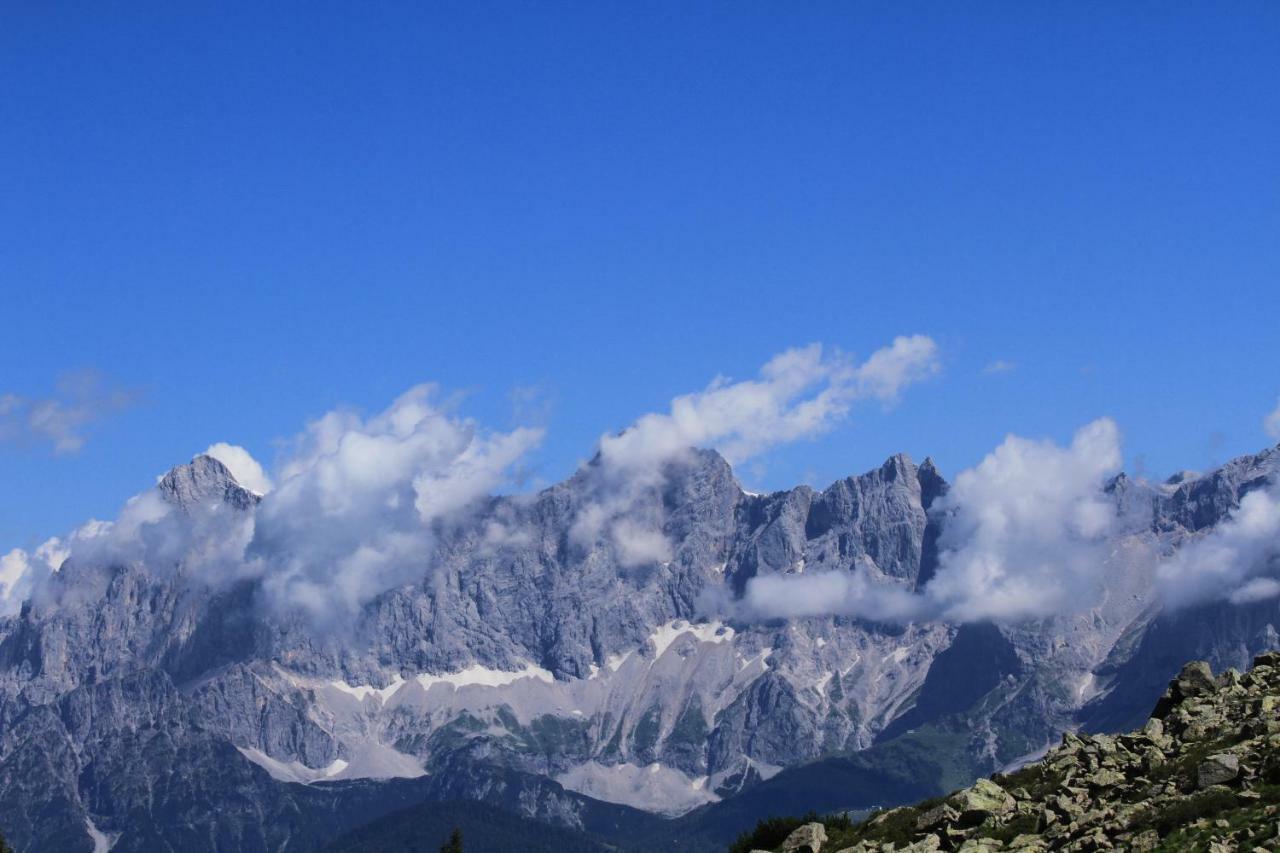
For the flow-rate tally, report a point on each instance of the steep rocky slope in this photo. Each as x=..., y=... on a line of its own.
x=1203, y=773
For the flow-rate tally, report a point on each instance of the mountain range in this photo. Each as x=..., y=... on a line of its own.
x=608, y=687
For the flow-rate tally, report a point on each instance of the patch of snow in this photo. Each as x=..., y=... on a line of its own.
x=1086, y=687
x=821, y=642
x=654, y=788
x=615, y=662
x=821, y=684
x=101, y=841
x=762, y=659
x=375, y=761
x=480, y=676
x=363, y=691
x=709, y=632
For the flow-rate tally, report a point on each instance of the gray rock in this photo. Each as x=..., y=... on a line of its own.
x=808, y=838
x=1217, y=770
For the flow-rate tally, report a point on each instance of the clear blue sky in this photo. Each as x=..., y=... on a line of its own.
x=254, y=212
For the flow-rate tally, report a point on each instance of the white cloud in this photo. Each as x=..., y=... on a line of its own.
x=639, y=545
x=1000, y=366
x=1272, y=423
x=800, y=393
x=351, y=513
x=1026, y=530
x=1024, y=538
x=828, y=593
x=242, y=466
x=20, y=572
x=15, y=580
x=61, y=420
x=1238, y=560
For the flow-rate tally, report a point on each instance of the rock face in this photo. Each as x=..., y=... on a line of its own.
x=1148, y=789
x=528, y=654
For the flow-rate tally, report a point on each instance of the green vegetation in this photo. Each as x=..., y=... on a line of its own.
x=441, y=827
x=454, y=844
x=771, y=832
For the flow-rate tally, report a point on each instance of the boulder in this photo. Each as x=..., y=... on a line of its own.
x=809, y=837
x=1217, y=770
x=979, y=802
x=936, y=816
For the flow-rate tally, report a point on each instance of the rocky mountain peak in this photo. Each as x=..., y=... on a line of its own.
x=202, y=482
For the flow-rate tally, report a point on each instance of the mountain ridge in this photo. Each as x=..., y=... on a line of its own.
x=516, y=623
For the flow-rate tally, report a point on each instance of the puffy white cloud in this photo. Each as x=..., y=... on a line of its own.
x=800, y=393
x=891, y=369
x=1272, y=423
x=1238, y=560
x=62, y=419
x=828, y=593
x=1026, y=530
x=637, y=544
x=15, y=580
x=351, y=513
x=1024, y=538
x=242, y=466
x=20, y=572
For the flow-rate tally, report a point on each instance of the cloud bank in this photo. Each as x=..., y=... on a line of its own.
x=351, y=514
x=62, y=420
x=1025, y=537
x=800, y=393
x=1236, y=561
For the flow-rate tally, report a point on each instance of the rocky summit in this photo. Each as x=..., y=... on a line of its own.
x=1203, y=774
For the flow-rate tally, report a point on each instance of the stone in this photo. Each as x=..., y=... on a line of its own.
x=983, y=799
x=1217, y=770
x=808, y=838
x=936, y=816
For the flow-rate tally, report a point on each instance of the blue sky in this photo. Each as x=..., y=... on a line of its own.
x=248, y=216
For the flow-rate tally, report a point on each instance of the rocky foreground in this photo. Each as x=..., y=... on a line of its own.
x=1202, y=774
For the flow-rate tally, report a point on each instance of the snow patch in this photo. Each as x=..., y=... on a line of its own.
x=653, y=788
x=102, y=842
x=710, y=632
x=374, y=761
x=480, y=676
x=363, y=691
x=472, y=676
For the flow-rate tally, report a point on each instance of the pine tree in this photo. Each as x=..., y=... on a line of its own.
x=5, y=848
x=453, y=845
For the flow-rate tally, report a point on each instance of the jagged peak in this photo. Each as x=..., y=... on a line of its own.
x=898, y=463
x=204, y=481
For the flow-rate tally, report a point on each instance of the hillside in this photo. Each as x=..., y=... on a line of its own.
x=1202, y=774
